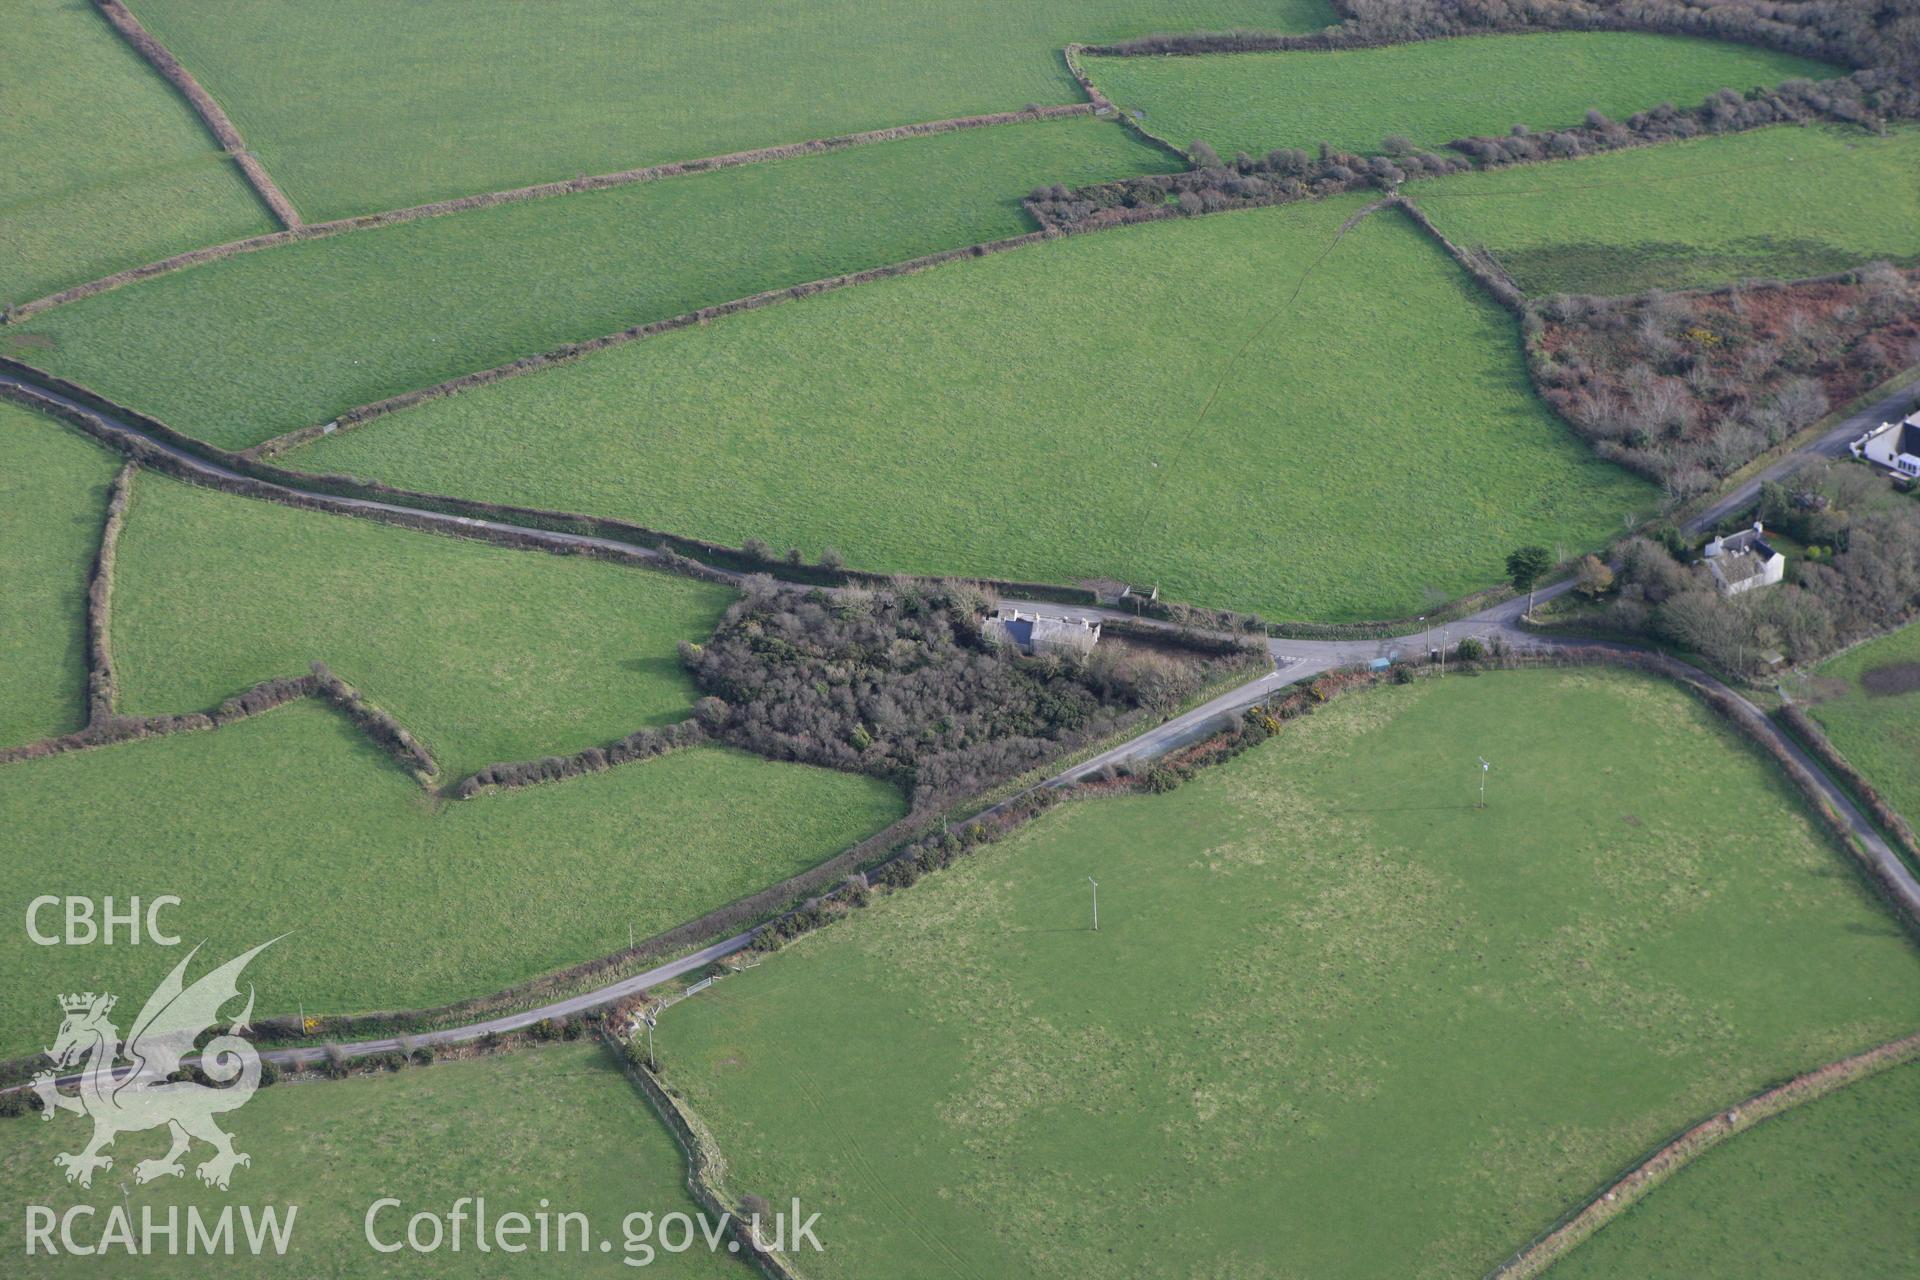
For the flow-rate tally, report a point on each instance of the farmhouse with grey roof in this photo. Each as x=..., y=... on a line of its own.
x=1743, y=561
x=1031, y=633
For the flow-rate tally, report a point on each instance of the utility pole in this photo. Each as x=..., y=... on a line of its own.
x=1096, y=903
x=653, y=1063
x=1484, y=767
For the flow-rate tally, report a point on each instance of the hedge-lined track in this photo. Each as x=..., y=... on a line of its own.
x=106, y=167
x=294, y=335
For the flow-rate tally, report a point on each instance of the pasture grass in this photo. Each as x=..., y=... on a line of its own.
x=293, y=822
x=1337, y=1021
x=1236, y=408
x=293, y=336
x=1783, y=202
x=487, y=653
x=1880, y=732
x=53, y=501
x=494, y=93
x=1430, y=92
x=1826, y=1189
x=107, y=167
x=559, y=1122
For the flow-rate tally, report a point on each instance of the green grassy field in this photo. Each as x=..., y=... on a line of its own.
x=487, y=653
x=558, y=1123
x=1430, y=92
x=1782, y=202
x=1879, y=733
x=53, y=499
x=292, y=336
x=520, y=95
x=293, y=822
x=107, y=167
x=1826, y=1190
x=1337, y=1020
x=1155, y=403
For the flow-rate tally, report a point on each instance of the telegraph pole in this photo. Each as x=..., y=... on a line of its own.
x=1484, y=767
x=1096, y=903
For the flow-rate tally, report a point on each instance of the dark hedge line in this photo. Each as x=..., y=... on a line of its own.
x=203, y=104
x=642, y=744
x=1808, y=730
x=1479, y=264
x=1852, y=34
x=1865, y=98
x=102, y=687
x=1285, y=175
x=1281, y=176
x=485, y=200
x=388, y=733
x=117, y=728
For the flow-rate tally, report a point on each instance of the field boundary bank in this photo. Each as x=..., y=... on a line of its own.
x=539, y=191
x=174, y=453
x=706, y=1166
x=211, y=115
x=102, y=685
x=362, y=414
x=1103, y=105
x=1815, y=739
x=106, y=727
x=1356, y=31
x=1629, y=1188
x=1347, y=34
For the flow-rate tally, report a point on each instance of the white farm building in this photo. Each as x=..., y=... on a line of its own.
x=1894, y=445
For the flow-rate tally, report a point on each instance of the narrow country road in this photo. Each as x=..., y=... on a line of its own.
x=1294, y=660
x=1889, y=408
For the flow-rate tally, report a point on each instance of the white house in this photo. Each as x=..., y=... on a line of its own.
x=1031, y=633
x=1894, y=445
x=1744, y=560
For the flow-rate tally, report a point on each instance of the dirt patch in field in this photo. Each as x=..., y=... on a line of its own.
x=1820, y=689
x=1895, y=677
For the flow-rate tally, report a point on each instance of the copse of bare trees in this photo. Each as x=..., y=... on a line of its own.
x=901, y=683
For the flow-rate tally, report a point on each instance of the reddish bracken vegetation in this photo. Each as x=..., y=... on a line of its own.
x=1687, y=387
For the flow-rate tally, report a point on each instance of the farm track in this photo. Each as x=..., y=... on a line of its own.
x=1295, y=660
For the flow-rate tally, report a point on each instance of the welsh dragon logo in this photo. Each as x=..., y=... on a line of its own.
x=141, y=1096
